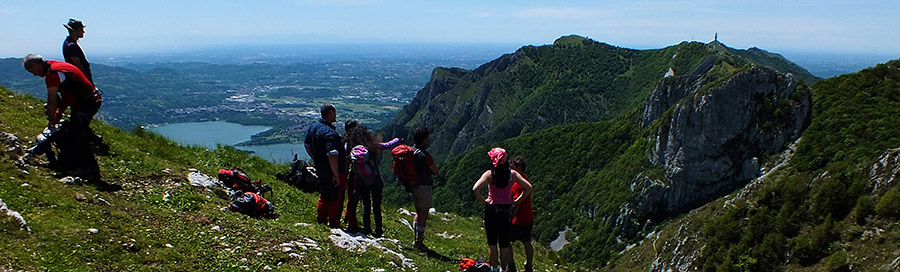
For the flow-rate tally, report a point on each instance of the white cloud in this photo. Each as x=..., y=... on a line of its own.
x=7, y=11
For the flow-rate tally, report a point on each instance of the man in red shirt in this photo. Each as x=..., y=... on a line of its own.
x=523, y=217
x=68, y=87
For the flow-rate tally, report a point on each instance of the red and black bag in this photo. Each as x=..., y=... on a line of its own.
x=237, y=179
x=470, y=265
x=252, y=204
x=404, y=166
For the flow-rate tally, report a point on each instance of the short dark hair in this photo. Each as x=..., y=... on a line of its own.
x=420, y=134
x=349, y=125
x=327, y=107
x=519, y=162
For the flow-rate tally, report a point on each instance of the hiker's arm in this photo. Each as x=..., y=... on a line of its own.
x=333, y=161
x=526, y=187
x=431, y=166
x=480, y=183
x=390, y=144
x=52, y=99
x=308, y=150
x=77, y=62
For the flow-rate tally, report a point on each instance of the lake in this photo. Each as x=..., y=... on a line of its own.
x=213, y=133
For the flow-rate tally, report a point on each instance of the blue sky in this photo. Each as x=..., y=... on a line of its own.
x=128, y=27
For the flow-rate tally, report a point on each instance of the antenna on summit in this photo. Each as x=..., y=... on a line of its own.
x=716, y=37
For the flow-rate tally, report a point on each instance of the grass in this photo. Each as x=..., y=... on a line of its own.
x=158, y=221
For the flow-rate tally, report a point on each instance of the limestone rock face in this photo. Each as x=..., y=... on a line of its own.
x=885, y=171
x=712, y=140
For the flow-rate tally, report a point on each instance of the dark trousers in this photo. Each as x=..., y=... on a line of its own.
x=371, y=199
x=352, y=203
x=328, y=209
x=78, y=137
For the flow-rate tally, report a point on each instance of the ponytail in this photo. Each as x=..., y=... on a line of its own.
x=500, y=175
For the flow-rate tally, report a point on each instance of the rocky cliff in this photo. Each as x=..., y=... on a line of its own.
x=713, y=139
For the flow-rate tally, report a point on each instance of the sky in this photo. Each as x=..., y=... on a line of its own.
x=132, y=27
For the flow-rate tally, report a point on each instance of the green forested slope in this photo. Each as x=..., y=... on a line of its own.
x=573, y=80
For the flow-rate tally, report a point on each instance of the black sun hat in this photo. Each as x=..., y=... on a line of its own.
x=74, y=25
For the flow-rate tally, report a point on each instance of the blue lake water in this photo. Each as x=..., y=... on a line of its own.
x=212, y=133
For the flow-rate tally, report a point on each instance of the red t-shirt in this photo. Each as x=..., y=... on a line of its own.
x=525, y=215
x=73, y=85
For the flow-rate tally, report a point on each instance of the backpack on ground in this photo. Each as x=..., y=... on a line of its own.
x=363, y=166
x=252, y=204
x=301, y=175
x=45, y=142
x=404, y=166
x=238, y=180
x=470, y=265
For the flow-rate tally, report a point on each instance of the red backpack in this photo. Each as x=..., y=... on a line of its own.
x=470, y=265
x=404, y=166
x=237, y=179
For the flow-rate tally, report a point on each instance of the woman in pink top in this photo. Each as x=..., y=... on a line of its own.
x=498, y=204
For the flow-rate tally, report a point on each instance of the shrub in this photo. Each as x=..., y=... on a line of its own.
x=889, y=204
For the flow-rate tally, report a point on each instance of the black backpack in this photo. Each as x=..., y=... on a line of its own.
x=301, y=175
x=252, y=204
x=52, y=143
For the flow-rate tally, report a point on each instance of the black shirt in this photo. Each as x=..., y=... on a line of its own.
x=71, y=49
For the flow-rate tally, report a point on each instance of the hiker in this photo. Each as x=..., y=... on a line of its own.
x=523, y=218
x=352, y=188
x=323, y=145
x=369, y=181
x=421, y=193
x=68, y=87
x=499, y=204
x=73, y=54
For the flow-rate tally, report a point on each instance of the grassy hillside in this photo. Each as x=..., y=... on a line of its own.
x=821, y=210
x=158, y=221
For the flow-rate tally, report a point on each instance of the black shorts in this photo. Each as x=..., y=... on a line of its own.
x=497, y=219
x=520, y=233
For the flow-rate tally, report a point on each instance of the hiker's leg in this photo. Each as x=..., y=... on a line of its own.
x=352, y=201
x=423, y=202
x=504, y=216
x=342, y=191
x=492, y=255
x=529, y=254
x=376, y=206
x=505, y=257
x=334, y=209
x=366, y=197
x=321, y=211
x=490, y=230
x=79, y=142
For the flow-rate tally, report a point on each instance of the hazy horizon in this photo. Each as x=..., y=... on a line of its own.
x=116, y=27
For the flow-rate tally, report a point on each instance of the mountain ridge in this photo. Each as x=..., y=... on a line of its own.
x=573, y=80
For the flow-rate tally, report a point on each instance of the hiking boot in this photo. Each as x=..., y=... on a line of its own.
x=354, y=229
x=418, y=245
x=528, y=268
x=378, y=233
